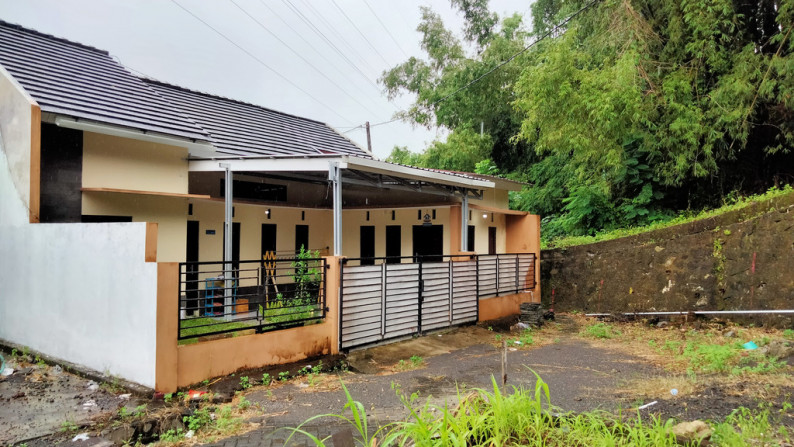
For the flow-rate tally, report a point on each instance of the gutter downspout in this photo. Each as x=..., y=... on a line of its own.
x=227, y=241
x=335, y=177
x=464, y=214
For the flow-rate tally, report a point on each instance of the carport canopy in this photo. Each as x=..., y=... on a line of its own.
x=342, y=170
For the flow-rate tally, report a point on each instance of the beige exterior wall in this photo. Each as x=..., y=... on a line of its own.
x=482, y=220
x=122, y=163
x=406, y=218
x=20, y=128
x=168, y=212
x=497, y=198
x=210, y=215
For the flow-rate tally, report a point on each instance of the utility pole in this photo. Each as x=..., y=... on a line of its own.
x=369, y=139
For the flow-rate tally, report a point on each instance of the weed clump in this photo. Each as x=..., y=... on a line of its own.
x=526, y=417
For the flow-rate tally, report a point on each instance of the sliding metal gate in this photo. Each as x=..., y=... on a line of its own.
x=386, y=299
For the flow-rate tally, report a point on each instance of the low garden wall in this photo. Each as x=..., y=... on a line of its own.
x=740, y=260
x=504, y=306
x=184, y=365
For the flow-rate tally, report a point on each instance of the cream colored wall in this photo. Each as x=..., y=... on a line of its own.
x=210, y=215
x=168, y=212
x=498, y=198
x=406, y=218
x=481, y=225
x=122, y=163
x=16, y=116
x=320, y=222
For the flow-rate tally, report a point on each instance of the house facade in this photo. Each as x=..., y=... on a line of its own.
x=129, y=202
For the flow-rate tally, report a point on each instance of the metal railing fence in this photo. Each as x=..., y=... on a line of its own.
x=388, y=297
x=256, y=295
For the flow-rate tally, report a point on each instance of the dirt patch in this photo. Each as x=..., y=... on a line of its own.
x=716, y=402
x=381, y=359
x=39, y=399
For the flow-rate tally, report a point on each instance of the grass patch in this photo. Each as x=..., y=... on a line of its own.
x=197, y=326
x=523, y=418
x=525, y=339
x=601, y=330
x=684, y=217
x=210, y=422
x=415, y=362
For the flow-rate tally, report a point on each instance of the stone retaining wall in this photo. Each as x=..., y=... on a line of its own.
x=741, y=260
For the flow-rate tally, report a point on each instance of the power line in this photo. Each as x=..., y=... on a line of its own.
x=303, y=58
x=385, y=29
x=300, y=36
x=354, y=129
x=360, y=32
x=327, y=40
x=252, y=56
x=503, y=63
x=351, y=48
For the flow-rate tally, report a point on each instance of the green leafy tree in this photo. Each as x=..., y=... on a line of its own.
x=630, y=112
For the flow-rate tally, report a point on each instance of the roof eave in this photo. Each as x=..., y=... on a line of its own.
x=196, y=147
x=317, y=163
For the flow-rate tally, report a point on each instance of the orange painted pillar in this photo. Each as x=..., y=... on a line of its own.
x=166, y=360
x=332, y=283
x=454, y=229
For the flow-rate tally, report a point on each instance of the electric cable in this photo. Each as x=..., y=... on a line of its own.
x=303, y=58
x=385, y=28
x=364, y=36
x=327, y=40
x=252, y=56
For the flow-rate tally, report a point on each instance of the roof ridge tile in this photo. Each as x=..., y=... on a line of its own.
x=24, y=29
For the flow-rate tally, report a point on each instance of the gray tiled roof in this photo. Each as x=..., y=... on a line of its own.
x=68, y=78
x=239, y=128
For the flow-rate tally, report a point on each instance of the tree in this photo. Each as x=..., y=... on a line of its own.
x=630, y=112
x=439, y=79
x=646, y=98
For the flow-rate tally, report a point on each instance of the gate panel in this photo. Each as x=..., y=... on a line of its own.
x=402, y=300
x=384, y=301
x=436, y=295
x=507, y=274
x=361, y=310
x=464, y=292
x=487, y=272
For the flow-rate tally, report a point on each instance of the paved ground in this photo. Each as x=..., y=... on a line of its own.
x=580, y=377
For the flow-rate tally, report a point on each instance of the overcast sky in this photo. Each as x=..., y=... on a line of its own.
x=314, y=58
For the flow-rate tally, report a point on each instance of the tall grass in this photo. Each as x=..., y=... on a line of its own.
x=525, y=417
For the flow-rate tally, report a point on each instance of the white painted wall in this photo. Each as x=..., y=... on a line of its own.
x=15, y=134
x=77, y=292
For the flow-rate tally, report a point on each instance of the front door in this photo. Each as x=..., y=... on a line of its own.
x=367, y=250
x=301, y=238
x=268, y=238
x=393, y=244
x=428, y=242
x=191, y=257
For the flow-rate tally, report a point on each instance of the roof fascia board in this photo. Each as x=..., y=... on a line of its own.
x=294, y=164
x=381, y=167
x=195, y=148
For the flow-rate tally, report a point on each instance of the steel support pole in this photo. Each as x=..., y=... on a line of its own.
x=464, y=217
x=335, y=176
x=227, y=241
